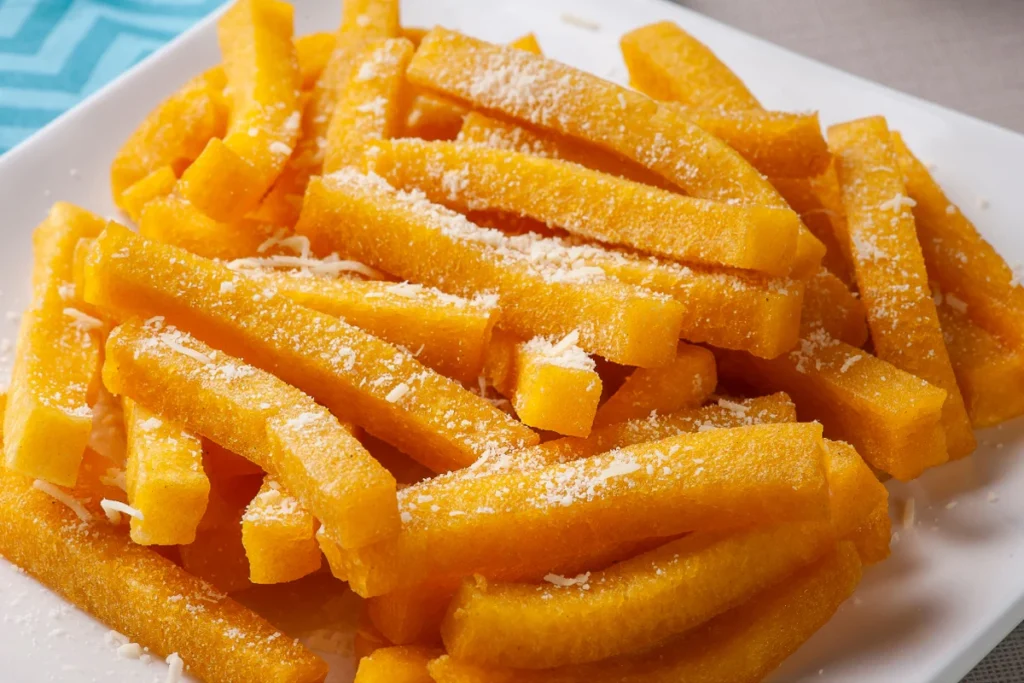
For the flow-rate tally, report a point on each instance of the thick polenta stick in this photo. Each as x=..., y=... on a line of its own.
x=447, y=333
x=406, y=235
x=365, y=380
x=173, y=220
x=173, y=134
x=313, y=50
x=165, y=478
x=161, y=607
x=258, y=416
x=552, y=385
x=831, y=306
x=362, y=21
x=958, y=258
x=892, y=417
x=741, y=646
x=591, y=204
x=217, y=555
x=667, y=63
x=54, y=378
x=778, y=144
x=231, y=175
x=556, y=97
x=279, y=536
x=990, y=375
x=684, y=383
x=406, y=664
x=890, y=268
x=640, y=602
x=159, y=183
x=725, y=478
x=368, y=106
x=411, y=615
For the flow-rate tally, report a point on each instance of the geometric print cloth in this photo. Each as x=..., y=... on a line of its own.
x=53, y=53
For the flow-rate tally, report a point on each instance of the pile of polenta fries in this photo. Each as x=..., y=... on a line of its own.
x=542, y=365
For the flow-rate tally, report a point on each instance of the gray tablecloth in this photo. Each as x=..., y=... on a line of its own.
x=965, y=54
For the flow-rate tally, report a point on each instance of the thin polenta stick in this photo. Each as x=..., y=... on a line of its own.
x=667, y=63
x=556, y=97
x=407, y=235
x=404, y=664
x=890, y=268
x=684, y=383
x=161, y=607
x=279, y=536
x=591, y=204
x=362, y=21
x=231, y=176
x=741, y=646
x=56, y=363
x=258, y=416
x=165, y=478
x=368, y=105
x=958, y=258
x=360, y=377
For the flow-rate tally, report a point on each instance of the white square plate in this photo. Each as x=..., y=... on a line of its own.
x=955, y=583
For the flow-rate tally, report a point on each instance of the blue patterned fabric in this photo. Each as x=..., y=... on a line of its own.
x=55, y=52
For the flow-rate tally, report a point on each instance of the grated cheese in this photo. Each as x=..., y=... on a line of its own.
x=564, y=353
x=909, y=510
x=398, y=393
x=315, y=266
x=175, y=667
x=83, y=321
x=113, y=508
x=565, y=582
x=63, y=497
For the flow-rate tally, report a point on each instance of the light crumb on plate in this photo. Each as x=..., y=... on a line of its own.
x=175, y=667
x=992, y=497
x=909, y=513
x=581, y=22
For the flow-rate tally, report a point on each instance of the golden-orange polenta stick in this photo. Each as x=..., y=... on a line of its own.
x=173, y=220
x=741, y=646
x=406, y=664
x=874, y=535
x=892, y=417
x=313, y=50
x=407, y=235
x=231, y=176
x=173, y=134
x=749, y=475
x=159, y=183
x=820, y=205
x=365, y=380
x=831, y=306
x=368, y=106
x=279, y=537
x=162, y=607
x=411, y=615
x=556, y=97
x=552, y=385
x=684, y=383
x=258, y=416
x=362, y=21
x=591, y=204
x=958, y=257
x=54, y=378
x=990, y=375
x=667, y=63
x=640, y=602
x=165, y=478
x=890, y=268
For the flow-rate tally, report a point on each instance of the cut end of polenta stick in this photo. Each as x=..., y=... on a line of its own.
x=402, y=664
x=279, y=536
x=165, y=478
x=260, y=417
x=684, y=383
x=54, y=378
